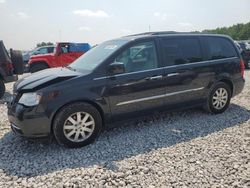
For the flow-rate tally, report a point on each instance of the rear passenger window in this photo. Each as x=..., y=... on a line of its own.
x=181, y=50
x=218, y=48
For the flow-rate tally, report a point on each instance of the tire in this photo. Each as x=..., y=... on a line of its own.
x=17, y=61
x=223, y=102
x=2, y=88
x=67, y=126
x=35, y=67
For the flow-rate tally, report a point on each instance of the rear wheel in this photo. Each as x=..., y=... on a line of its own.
x=35, y=67
x=219, y=98
x=77, y=125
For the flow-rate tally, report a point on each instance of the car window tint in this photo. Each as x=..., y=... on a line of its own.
x=51, y=49
x=219, y=48
x=79, y=47
x=64, y=48
x=43, y=51
x=181, y=50
x=139, y=57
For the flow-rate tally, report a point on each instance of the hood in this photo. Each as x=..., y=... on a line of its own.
x=44, y=78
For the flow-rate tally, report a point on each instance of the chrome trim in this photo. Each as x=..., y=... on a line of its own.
x=184, y=91
x=158, y=96
x=166, y=67
x=173, y=74
x=100, y=78
x=13, y=125
x=128, y=73
x=156, y=77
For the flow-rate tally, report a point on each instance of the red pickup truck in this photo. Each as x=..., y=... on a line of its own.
x=64, y=54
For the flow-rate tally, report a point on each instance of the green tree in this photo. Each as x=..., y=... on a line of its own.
x=237, y=32
x=44, y=44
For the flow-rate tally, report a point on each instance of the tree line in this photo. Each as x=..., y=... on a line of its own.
x=237, y=32
x=44, y=44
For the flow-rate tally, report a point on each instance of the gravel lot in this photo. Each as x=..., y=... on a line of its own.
x=180, y=149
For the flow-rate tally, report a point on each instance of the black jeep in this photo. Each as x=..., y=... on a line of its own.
x=10, y=66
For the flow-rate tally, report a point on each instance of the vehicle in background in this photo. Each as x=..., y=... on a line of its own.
x=36, y=51
x=10, y=66
x=124, y=78
x=64, y=54
x=244, y=48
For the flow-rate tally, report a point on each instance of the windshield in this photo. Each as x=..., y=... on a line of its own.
x=94, y=57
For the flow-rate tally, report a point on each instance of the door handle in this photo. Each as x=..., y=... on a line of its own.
x=159, y=77
x=173, y=74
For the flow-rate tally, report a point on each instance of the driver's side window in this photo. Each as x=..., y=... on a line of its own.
x=141, y=56
x=64, y=48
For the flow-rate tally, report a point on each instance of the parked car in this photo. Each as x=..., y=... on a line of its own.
x=10, y=66
x=64, y=54
x=36, y=51
x=245, y=52
x=124, y=78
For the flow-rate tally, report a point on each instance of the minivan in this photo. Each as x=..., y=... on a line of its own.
x=127, y=77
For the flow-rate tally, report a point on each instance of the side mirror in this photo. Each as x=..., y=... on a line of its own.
x=116, y=68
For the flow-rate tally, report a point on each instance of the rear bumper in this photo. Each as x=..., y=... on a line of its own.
x=238, y=86
x=27, y=122
x=12, y=78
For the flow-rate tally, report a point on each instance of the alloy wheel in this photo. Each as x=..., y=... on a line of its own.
x=220, y=98
x=79, y=126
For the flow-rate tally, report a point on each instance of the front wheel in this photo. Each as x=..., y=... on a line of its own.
x=219, y=98
x=77, y=125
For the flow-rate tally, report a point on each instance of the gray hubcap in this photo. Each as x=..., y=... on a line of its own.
x=79, y=126
x=220, y=98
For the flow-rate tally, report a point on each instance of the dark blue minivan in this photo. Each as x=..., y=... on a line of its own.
x=124, y=78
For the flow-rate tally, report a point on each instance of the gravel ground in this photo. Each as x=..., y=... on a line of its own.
x=180, y=149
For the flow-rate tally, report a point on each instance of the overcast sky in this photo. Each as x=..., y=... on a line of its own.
x=24, y=23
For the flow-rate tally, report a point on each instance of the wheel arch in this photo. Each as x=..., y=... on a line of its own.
x=41, y=61
x=229, y=83
x=98, y=107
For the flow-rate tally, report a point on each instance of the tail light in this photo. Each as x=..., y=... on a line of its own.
x=242, y=67
x=9, y=67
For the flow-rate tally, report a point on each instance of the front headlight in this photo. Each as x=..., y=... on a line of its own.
x=30, y=99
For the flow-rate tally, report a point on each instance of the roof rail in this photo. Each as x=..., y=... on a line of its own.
x=152, y=33
x=161, y=33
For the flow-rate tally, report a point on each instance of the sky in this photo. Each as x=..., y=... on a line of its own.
x=24, y=23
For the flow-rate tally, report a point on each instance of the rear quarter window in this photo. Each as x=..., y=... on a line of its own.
x=218, y=48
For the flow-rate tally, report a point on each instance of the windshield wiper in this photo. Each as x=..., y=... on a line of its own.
x=70, y=68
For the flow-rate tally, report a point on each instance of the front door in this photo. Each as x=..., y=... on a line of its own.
x=66, y=56
x=141, y=86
